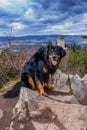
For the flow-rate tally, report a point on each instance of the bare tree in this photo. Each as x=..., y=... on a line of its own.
x=9, y=37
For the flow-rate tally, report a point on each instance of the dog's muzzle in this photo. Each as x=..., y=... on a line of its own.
x=54, y=60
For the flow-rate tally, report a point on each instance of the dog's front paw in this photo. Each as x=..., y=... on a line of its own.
x=51, y=86
x=42, y=92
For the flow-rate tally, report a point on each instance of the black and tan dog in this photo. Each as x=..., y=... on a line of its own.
x=36, y=71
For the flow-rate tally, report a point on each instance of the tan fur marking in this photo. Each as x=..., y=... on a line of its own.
x=50, y=59
x=49, y=85
x=40, y=88
x=31, y=82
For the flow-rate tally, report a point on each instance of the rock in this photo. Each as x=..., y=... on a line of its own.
x=28, y=101
x=71, y=99
x=11, y=126
x=71, y=84
x=1, y=114
x=34, y=111
x=21, y=127
x=60, y=81
x=79, y=88
x=60, y=110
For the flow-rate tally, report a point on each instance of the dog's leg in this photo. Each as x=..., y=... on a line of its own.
x=40, y=87
x=31, y=83
x=49, y=85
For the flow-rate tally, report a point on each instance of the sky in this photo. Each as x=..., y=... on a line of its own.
x=43, y=17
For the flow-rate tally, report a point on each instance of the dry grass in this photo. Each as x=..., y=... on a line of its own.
x=8, y=86
x=11, y=64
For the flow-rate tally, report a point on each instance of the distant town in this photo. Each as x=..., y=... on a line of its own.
x=26, y=42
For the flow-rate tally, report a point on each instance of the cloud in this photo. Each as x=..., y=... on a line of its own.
x=43, y=16
x=11, y=2
x=5, y=3
x=17, y=26
x=29, y=15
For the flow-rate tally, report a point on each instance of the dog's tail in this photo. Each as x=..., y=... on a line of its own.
x=15, y=90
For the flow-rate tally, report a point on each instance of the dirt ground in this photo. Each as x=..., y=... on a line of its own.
x=7, y=106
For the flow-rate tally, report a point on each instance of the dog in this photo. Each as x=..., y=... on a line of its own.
x=36, y=71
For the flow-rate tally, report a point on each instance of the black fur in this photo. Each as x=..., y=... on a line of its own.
x=15, y=90
x=44, y=61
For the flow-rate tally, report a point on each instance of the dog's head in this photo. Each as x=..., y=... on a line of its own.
x=55, y=54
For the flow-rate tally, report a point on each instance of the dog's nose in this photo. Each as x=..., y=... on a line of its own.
x=54, y=57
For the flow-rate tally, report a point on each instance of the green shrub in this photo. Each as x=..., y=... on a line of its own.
x=75, y=61
x=78, y=61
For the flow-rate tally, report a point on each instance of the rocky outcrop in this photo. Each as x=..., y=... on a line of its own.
x=35, y=112
x=72, y=84
x=62, y=109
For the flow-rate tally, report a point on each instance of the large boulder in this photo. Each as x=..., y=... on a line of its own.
x=79, y=88
x=71, y=84
x=36, y=112
x=61, y=81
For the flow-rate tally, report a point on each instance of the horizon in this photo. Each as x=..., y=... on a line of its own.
x=31, y=17
x=45, y=35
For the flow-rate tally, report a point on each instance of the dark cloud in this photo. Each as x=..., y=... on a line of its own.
x=73, y=6
x=8, y=14
x=45, y=3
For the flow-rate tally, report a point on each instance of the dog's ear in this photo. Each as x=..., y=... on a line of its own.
x=63, y=52
x=42, y=51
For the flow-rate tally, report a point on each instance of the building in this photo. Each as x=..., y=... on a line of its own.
x=60, y=41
